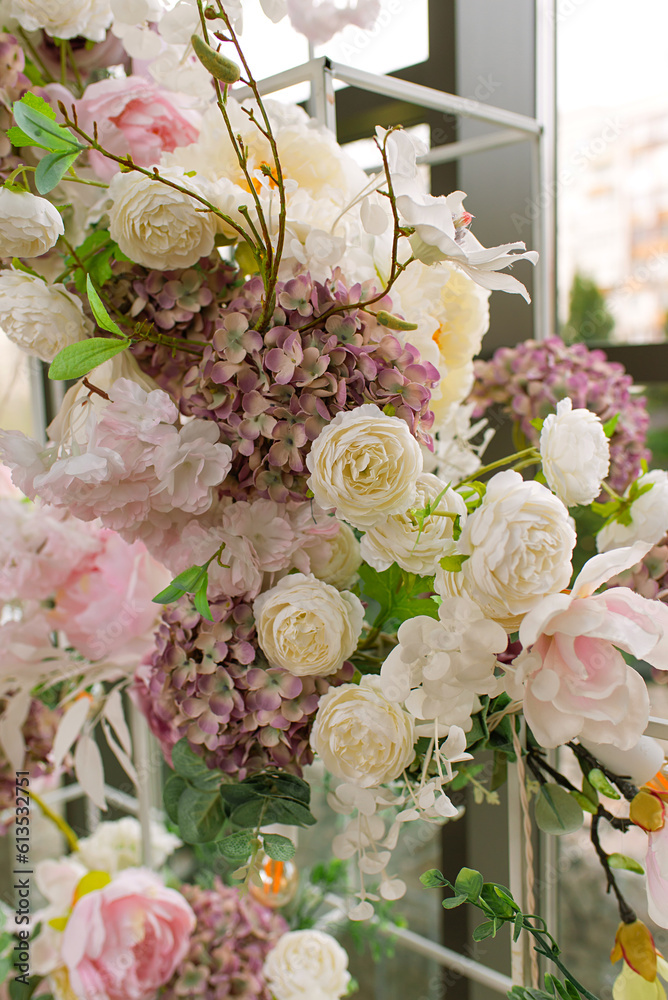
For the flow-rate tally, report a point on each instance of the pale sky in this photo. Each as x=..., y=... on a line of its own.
x=611, y=52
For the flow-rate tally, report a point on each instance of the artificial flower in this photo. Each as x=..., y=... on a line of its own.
x=365, y=465
x=575, y=453
x=643, y=964
x=336, y=559
x=70, y=19
x=362, y=737
x=518, y=545
x=308, y=627
x=307, y=965
x=572, y=676
x=117, y=845
x=41, y=319
x=29, y=226
x=646, y=520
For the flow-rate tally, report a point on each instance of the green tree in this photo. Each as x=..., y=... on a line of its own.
x=589, y=319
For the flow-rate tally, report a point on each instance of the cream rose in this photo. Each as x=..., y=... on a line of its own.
x=575, y=453
x=306, y=626
x=416, y=549
x=41, y=319
x=519, y=544
x=364, y=465
x=336, y=560
x=307, y=965
x=362, y=737
x=157, y=226
x=29, y=226
x=649, y=516
x=64, y=18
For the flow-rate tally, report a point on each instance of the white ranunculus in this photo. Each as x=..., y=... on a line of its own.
x=157, y=226
x=362, y=737
x=575, y=453
x=117, y=845
x=416, y=546
x=64, y=18
x=306, y=626
x=307, y=965
x=29, y=226
x=519, y=543
x=336, y=560
x=649, y=516
x=365, y=465
x=41, y=319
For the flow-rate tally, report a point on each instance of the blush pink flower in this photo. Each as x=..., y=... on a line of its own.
x=124, y=942
x=572, y=676
x=108, y=611
x=656, y=866
x=135, y=116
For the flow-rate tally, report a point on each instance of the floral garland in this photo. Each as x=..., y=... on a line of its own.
x=267, y=434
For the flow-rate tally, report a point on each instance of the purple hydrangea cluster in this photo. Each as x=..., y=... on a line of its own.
x=272, y=394
x=528, y=380
x=232, y=938
x=39, y=732
x=208, y=681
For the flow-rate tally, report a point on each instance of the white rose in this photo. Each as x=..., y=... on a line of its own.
x=416, y=549
x=41, y=319
x=117, y=845
x=29, y=226
x=519, y=543
x=336, y=560
x=307, y=965
x=365, y=465
x=64, y=18
x=157, y=226
x=575, y=453
x=306, y=626
x=362, y=737
x=649, y=516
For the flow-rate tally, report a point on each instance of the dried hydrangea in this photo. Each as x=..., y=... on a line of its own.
x=528, y=380
x=232, y=938
x=39, y=732
x=272, y=394
x=209, y=682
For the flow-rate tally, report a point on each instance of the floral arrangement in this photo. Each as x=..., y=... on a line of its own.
x=260, y=511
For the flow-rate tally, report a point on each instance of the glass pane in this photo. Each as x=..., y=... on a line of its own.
x=613, y=171
x=399, y=38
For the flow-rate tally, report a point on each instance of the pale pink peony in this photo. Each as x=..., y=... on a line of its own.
x=572, y=676
x=107, y=611
x=135, y=116
x=124, y=942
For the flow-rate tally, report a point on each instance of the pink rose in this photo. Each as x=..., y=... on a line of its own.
x=572, y=676
x=107, y=612
x=134, y=116
x=123, y=942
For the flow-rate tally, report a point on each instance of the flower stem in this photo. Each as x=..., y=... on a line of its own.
x=519, y=456
x=64, y=827
x=625, y=912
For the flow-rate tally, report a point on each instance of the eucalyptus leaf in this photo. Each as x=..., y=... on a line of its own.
x=487, y=929
x=277, y=847
x=186, y=762
x=557, y=812
x=171, y=793
x=236, y=846
x=200, y=816
x=52, y=168
x=79, y=359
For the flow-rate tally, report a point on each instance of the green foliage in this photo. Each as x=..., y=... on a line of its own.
x=79, y=359
x=36, y=126
x=195, y=581
x=500, y=739
x=589, y=319
x=397, y=594
x=598, y=780
x=52, y=168
x=93, y=258
x=621, y=861
x=557, y=811
x=278, y=848
x=452, y=564
x=102, y=317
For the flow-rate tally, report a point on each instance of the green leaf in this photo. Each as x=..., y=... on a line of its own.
x=518, y=924
x=433, y=879
x=200, y=599
x=610, y=425
x=185, y=583
x=79, y=359
x=52, y=168
x=200, y=816
x=278, y=848
x=399, y=595
x=288, y=812
x=557, y=812
x=452, y=564
x=498, y=901
x=186, y=762
x=237, y=846
x=19, y=138
x=601, y=784
x=589, y=790
x=93, y=257
x=485, y=930
x=622, y=861
x=453, y=901
x=171, y=793
x=585, y=802
x=537, y=423
x=37, y=119
x=102, y=317
x=469, y=883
